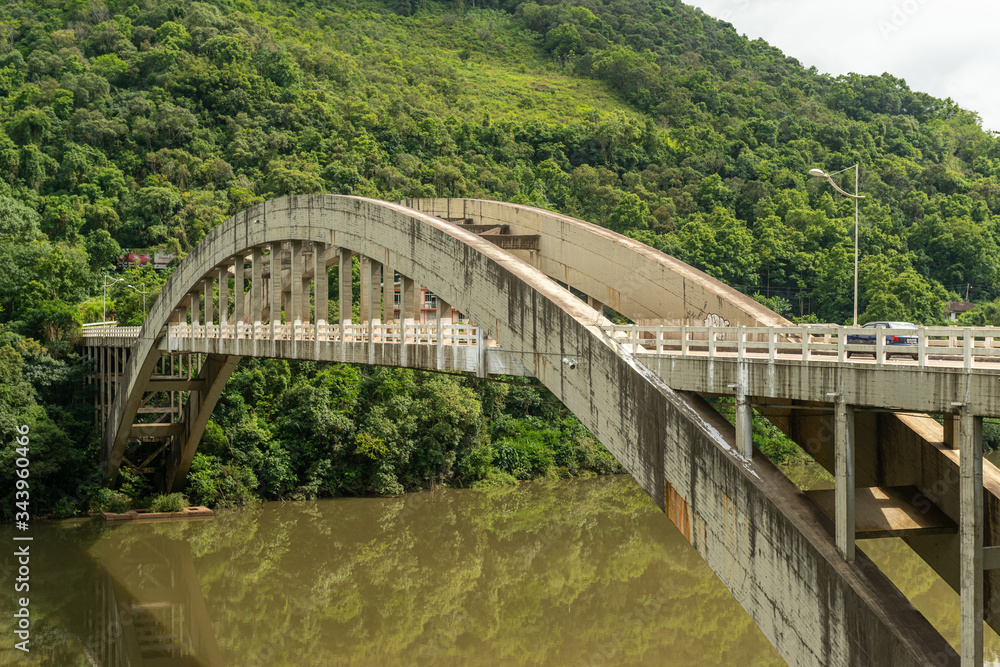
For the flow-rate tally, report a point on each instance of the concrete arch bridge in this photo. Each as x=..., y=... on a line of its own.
x=531, y=287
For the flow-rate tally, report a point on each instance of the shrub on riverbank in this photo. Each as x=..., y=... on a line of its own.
x=172, y=502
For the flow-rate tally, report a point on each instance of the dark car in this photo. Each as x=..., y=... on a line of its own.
x=891, y=339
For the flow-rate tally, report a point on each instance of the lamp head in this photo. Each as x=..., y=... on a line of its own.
x=819, y=173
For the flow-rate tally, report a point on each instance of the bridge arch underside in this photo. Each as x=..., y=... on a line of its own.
x=769, y=544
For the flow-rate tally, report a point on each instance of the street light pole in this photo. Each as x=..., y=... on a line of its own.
x=143, y=293
x=819, y=173
x=104, y=310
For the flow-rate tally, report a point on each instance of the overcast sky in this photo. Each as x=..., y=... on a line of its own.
x=947, y=48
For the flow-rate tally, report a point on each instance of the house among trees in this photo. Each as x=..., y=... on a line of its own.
x=953, y=309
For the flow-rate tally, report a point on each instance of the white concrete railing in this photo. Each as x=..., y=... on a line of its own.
x=420, y=334
x=974, y=347
x=99, y=331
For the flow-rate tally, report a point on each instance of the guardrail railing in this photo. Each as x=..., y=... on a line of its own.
x=971, y=346
x=110, y=331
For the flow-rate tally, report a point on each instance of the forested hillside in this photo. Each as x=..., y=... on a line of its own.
x=129, y=125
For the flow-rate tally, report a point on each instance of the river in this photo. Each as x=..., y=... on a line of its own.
x=581, y=572
x=584, y=572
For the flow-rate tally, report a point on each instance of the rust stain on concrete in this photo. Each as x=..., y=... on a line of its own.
x=677, y=510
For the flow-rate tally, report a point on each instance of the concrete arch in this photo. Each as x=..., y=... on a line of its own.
x=769, y=545
x=637, y=281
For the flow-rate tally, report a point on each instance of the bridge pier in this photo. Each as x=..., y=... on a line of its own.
x=844, y=491
x=971, y=536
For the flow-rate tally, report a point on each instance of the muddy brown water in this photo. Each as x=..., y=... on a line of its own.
x=580, y=572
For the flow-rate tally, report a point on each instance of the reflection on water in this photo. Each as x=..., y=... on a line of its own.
x=567, y=573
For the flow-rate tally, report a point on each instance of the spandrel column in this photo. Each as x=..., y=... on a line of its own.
x=322, y=284
x=365, y=301
x=345, y=286
x=257, y=286
x=375, y=291
x=388, y=293
x=294, y=314
x=276, y=286
x=223, y=295
x=239, y=307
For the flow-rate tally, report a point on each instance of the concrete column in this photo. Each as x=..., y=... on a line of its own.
x=970, y=536
x=595, y=304
x=408, y=301
x=388, y=293
x=951, y=428
x=223, y=295
x=322, y=289
x=195, y=306
x=375, y=291
x=239, y=306
x=365, y=302
x=105, y=385
x=345, y=286
x=418, y=303
x=294, y=314
x=843, y=433
x=305, y=303
x=275, y=287
x=182, y=311
x=209, y=300
x=744, y=423
x=443, y=311
x=257, y=286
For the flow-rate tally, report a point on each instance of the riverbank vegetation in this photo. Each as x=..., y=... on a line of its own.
x=128, y=124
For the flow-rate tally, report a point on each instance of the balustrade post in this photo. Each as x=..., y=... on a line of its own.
x=968, y=342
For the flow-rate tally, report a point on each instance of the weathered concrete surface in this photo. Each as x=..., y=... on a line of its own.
x=644, y=284
x=630, y=277
x=900, y=387
x=764, y=539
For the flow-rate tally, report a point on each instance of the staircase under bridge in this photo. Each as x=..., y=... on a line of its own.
x=521, y=291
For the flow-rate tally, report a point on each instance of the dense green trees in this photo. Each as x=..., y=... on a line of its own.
x=136, y=124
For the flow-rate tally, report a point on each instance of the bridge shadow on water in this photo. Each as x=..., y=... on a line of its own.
x=583, y=572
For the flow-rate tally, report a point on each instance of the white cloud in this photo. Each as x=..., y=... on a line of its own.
x=947, y=49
